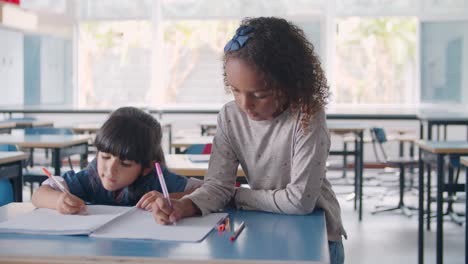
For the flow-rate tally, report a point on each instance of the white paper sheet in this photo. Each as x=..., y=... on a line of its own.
x=141, y=225
x=51, y=222
x=111, y=222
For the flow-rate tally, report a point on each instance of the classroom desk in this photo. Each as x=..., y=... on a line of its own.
x=11, y=168
x=267, y=238
x=439, y=149
x=6, y=126
x=86, y=128
x=61, y=145
x=181, y=164
x=180, y=142
x=32, y=123
x=439, y=118
x=358, y=153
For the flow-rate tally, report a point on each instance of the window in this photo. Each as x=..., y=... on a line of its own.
x=375, y=60
x=115, y=63
x=192, y=60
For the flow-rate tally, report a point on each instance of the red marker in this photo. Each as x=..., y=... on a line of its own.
x=237, y=232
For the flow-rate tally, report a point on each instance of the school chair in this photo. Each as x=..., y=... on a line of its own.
x=379, y=138
x=6, y=192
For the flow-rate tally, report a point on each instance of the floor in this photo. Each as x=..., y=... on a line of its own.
x=391, y=237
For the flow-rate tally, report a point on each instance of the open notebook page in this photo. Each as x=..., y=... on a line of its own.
x=50, y=222
x=141, y=225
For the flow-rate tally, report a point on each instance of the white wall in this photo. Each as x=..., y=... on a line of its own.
x=52, y=71
x=11, y=67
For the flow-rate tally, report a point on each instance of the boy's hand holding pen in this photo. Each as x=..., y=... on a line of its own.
x=67, y=203
x=70, y=204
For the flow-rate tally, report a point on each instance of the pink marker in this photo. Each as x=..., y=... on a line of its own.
x=163, y=183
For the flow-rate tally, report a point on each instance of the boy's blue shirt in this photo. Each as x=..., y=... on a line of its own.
x=87, y=185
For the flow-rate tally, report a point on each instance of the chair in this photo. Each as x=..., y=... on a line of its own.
x=379, y=138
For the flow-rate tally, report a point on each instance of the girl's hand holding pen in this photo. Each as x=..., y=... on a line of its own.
x=69, y=204
x=147, y=200
x=164, y=214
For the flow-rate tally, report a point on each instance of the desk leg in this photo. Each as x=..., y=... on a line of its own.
x=421, y=210
x=401, y=149
x=56, y=160
x=445, y=132
x=440, y=191
x=84, y=158
x=428, y=210
x=16, y=169
x=345, y=159
x=466, y=210
x=356, y=172
x=429, y=130
x=361, y=170
x=170, y=138
x=421, y=129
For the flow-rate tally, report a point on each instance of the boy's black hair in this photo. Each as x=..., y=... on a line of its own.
x=287, y=62
x=131, y=134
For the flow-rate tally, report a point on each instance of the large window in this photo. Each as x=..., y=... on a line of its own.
x=158, y=52
x=171, y=55
x=375, y=61
x=115, y=63
x=444, y=60
x=192, y=60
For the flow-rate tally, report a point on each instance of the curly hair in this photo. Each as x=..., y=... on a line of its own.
x=280, y=52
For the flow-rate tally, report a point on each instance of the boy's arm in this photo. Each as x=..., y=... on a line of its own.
x=45, y=197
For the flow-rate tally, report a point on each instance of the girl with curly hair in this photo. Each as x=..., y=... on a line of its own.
x=275, y=129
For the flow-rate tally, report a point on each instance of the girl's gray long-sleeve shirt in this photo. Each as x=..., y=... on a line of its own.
x=284, y=166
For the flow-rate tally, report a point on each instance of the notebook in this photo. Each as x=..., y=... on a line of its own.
x=104, y=221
